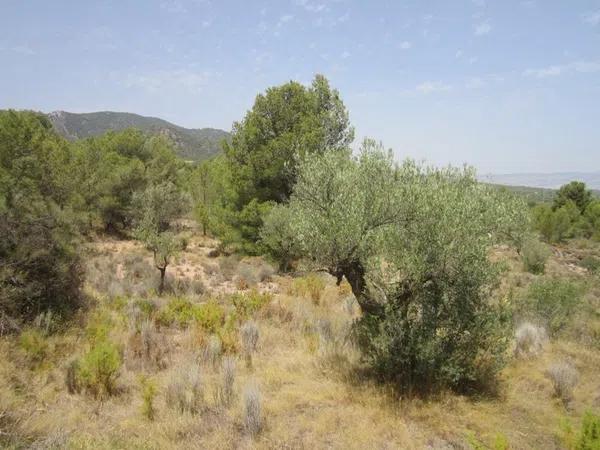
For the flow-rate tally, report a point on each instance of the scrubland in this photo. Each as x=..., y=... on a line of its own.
x=234, y=355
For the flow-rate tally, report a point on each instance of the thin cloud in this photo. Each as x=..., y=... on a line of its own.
x=311, y=7
x=561, y=69
x=430, y=87
x=160, y=81
x=405, y=45
x=592, y=18
x=173, y=6
x=483, y=28
x=284, y=19
x=346, y=54
x=23, y=50
x=475, y=83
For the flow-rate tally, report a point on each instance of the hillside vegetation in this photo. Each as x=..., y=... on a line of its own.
x=190, y=144
x=288, y=293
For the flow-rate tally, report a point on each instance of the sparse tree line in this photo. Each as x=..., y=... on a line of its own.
x=411, y=240
x=574, y=213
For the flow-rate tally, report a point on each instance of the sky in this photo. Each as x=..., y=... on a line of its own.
x=503, y=85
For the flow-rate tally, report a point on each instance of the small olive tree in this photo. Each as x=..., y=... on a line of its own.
x=413, y=244
x=158, y=205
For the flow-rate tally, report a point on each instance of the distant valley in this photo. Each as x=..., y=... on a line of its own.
x=544, y=180
x=192, y=144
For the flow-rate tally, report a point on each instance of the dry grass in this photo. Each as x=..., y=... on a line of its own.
x=310, y=393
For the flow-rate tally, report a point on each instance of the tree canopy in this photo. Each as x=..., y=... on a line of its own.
x=412, y=241
x=285, y=124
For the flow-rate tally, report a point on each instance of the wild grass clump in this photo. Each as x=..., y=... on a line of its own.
x=147, y=346
x=249, y=335
x=553, y=301
x=564, y=378
x=148, y=387
x=98, y=369
x=181, y=286
x=534, y=254
x=591, y=263
x=530, y=340
x=248, y=303
x=246, y=276
x=72, y=381
x=185, y=391
x=224, y=392
x=35, y=345
x=213, y=350
x=228, y=266
x=310, y=286
x=252, y=413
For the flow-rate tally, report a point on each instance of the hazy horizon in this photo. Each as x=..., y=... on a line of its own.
x=491, y=84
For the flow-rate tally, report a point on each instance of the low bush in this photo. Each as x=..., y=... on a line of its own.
x=249, y=337
x=148, y=395
x=210, y=316
x=98, y=327
x=147, y=346
x=589, y=435
x=185, y=392
x=182, y=312
x=564, y=378
x=99, y=368
x=35, y=345
x=529, y=339
x=246, y=276
x=248, y=303
x=213, y=350
x=253, y=420
x=534, y=254
x=591, y=263
x=553, y=301
x=310, y=286
x=224, y=392
x=228, y=266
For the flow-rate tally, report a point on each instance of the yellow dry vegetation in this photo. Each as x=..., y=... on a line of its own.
x=312, y=393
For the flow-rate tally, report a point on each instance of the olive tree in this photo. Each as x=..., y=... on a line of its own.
x=413, y=242
x=158, y=206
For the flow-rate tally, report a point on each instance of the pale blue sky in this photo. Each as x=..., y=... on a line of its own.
x=505, y=85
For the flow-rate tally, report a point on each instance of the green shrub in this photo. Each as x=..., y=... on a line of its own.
x=248, y=303
x=34, y=344
x=99, y=369
x=148, y=394
x=178, y=312
x=589, y=436
x=554, y=301
x=182, y=312
x=146, y=306
x=99, y=325
x=534, y=254
x=591, y=263
x=209, y=316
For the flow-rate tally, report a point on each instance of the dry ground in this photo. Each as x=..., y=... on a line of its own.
x=310, y=395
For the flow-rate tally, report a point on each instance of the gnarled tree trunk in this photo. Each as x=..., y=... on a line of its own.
x=354, y=272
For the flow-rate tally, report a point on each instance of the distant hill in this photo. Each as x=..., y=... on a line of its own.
x=544, y=180
x=192, y=144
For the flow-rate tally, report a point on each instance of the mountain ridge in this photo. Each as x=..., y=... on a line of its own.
x=194, y=144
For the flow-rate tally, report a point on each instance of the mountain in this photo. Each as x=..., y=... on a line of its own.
x=192, y=144
x=544, y=180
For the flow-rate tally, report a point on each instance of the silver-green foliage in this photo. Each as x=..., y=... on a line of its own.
x=413, y=243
